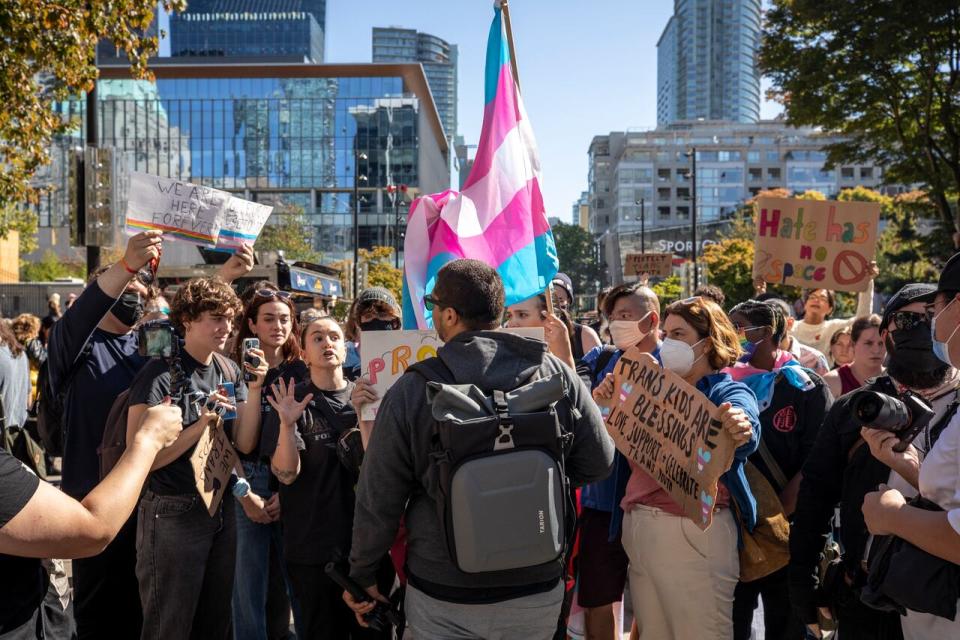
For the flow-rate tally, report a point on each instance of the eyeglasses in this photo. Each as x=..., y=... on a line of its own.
x=741, y=329
x=691, y=300
x=429, y=302
x=822, y=297
x=906, y=320
x=273, y=293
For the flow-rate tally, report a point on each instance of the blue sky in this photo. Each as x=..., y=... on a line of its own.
x=586, y=68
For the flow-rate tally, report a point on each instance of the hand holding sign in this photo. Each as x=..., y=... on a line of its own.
x=673, y=432
x=142, y=248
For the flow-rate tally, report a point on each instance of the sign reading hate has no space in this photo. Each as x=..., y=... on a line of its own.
x=816, y=244
x=671, y=431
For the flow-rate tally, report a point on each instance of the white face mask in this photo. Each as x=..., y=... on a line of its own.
x=627, y=333
x=678, y=356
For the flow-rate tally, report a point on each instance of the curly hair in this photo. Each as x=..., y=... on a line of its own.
x=709, y=321
x=203, y=294
x=26, y=327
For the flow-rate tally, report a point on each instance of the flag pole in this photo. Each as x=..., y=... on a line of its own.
x=513, y=53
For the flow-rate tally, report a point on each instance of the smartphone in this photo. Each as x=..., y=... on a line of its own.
x=248, y=344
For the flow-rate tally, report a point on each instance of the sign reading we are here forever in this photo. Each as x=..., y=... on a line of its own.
x=671, y=431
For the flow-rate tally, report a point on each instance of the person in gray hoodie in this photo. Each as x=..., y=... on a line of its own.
x=442, y=601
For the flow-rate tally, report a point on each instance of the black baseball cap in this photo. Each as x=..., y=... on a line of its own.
x=913, y=292
x=563, y=280
x=950, y=276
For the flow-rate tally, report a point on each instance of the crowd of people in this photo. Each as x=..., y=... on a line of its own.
x=316, y=486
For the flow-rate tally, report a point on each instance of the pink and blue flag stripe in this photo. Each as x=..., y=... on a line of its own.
x=499, y=217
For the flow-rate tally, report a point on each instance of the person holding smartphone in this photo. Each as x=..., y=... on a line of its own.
x=268, y=334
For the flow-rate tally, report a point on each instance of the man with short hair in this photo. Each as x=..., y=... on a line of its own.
x=442, y=601
x=633, y=313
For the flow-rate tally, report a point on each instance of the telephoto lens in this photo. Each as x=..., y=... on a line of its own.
x=879, y=411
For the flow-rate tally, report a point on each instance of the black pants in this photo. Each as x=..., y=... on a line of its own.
x=778, y=618
x=106, y=602
x=185, y=566
x=325, y=616
x=857, y=621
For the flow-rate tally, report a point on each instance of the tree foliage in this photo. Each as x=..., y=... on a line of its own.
x=884, y=74
x=380, y=270
x=668, y=290
x=49, y=54
x=50, y=267
x=287, y=230
x=575, y=250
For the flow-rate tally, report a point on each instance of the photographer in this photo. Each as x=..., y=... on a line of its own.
x=38, y=521
x=934, y=473
x=793, y=402
x=92, y=358
x=185, y=557
x=301, y=437
x=841, y=470
x=261, y=608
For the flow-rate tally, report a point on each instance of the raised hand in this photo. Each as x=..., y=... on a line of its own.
x=363, y=393
x=239, y=265
x=604, y=391
x=260, y=371
x=736, y=422
x=142, y=248
x=284, y=402
x=161, y=425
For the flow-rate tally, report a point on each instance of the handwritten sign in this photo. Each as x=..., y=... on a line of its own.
x=242, y=222
x=651, y=264
x=385, y=356
x=816, y=244
x=213, y=461
x=671, y=431
x=184, y=212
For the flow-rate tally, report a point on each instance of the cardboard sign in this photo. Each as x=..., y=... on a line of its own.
x=213, y=461
x=670, y=430
x=385, y=356
x=651, y=264
x=816, y=244
x=184, y=212
x=242, y=222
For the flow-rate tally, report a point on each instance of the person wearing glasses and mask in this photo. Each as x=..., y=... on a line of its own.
x=793, y=401
x=840, y=469
x=375, y=309
x=261, y=607
x=92, y=358
x=682, y=579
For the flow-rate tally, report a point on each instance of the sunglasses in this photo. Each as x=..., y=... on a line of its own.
x=273, y=293
x=430, y=302
x=691, y=300
x=906, y=320
x=742, y=329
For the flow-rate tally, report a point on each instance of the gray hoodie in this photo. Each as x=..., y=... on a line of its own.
x=393, y=480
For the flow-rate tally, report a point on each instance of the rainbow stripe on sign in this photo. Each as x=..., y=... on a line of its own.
x=499, y=217
x=176, y=232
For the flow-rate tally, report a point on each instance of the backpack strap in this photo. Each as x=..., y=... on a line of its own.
x=433, y=370
x=225, y=365
x=603, y=360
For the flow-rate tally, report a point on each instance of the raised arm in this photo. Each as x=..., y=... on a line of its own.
x=54, y=525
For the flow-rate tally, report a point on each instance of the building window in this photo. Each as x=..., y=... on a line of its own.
x=773, y=173
x=663, y=175
x=866, y=172
x=756, y=174
x=683, y=212
x=664, y=212
x=683, y=193
x=753, y=156
x=663, y=193
x=846, y=173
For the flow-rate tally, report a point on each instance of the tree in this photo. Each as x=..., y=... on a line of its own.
x=668, y=290
x=50, y=268
x=885, y=75
x=287, y=230
x=380, y=271
x=48, y=54
x=22, y=220
x=576, y=253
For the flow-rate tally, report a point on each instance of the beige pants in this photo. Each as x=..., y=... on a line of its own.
x=681, y=578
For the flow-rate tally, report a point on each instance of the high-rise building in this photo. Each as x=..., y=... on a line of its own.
x=641, y=181
x=707, y=62
x=439, y=60
x=250, y=28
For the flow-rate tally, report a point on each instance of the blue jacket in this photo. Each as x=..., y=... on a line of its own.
x=720, y=388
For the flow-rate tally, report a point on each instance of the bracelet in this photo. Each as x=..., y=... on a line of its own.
x=123, y=263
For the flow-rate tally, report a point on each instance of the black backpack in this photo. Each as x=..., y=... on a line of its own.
x=498, y=465
x=48, y=405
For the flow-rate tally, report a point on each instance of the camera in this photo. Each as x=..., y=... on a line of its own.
x=248, y=344
x=158, y=339
x=906, y=415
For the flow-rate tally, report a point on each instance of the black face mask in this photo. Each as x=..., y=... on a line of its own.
x=910, y=358
x=384, y=325
x=128, y=309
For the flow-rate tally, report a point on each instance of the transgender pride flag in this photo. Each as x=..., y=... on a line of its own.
x=499, y=217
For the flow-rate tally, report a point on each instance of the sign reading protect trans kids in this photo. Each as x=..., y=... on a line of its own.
x=816, y=244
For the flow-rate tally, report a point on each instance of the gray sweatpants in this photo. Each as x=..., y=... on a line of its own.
x=529, y=618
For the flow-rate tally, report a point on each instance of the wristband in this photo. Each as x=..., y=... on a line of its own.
x=123, y=263
x=241, y=488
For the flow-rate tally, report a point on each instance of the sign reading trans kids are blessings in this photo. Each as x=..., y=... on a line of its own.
x=671, y=431
x=816, y=244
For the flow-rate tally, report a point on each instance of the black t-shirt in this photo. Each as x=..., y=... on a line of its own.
x=790, y=425
x=23, y=582
x=317, y=511
x=150, y=387
x=298, y=371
